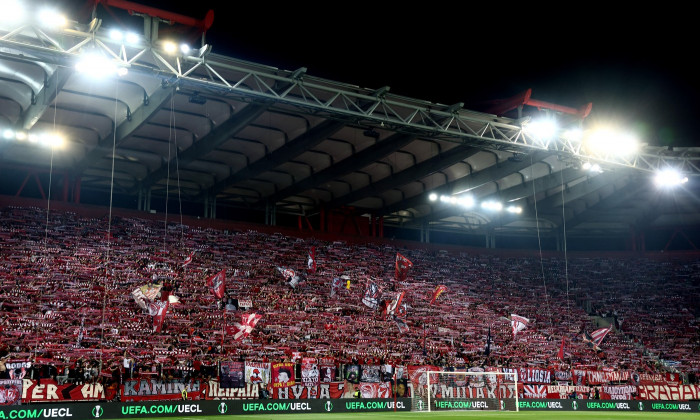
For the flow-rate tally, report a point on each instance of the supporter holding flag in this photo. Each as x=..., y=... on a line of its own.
x=437, y=292
x=371, y=297
x=188, y=260
x=336, y=284
x=599, y=334
x=402, y=266
x=242, y=330
x=518, y=323
x=596, y=337
x=393, y=306
x=311, y=263
x=158, y=310
x=290, y=276
x=217, y=284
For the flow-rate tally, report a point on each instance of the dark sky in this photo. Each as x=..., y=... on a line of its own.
x=634, y=66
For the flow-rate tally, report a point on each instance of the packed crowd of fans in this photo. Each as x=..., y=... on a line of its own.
x=66, y=303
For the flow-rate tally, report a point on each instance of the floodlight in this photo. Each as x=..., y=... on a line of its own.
x=52, y=19
x=433, y=197
x=12, y=11
x=169, y=47
x=492, y=205
x=466, y=201
x=21, y=135
x=8, y=134
x=132, y=38
x=116, y=35
x=514, y=209
x=97, y=66
x=543, y=129
x=608, y=142
x=670, y=178
x=185, y=49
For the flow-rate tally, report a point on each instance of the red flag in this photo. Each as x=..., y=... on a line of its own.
x=561, y=350
x=393, y=306
x=188, y=259
x=158, y=309
x=402, y=266
x=311, y=263
x=437, y=292
x=217, y=284
x=242, y=330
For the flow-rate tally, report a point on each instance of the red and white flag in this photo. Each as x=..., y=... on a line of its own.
x=158, y=309
x=188, y=259
x=437, y=292
x=392, y=307
x=518, y=323
x=599, y=335
x=311, y=263
x=402, y=266
x=242, y=330
x=217, y=284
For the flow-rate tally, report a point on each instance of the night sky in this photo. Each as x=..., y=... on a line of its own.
x=635, y=66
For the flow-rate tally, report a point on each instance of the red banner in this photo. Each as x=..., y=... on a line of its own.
x=282, y=374
x=669, y=392
x=531, y=375
x=50, y=391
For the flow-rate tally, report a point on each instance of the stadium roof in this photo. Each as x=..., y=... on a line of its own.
x=230, y=138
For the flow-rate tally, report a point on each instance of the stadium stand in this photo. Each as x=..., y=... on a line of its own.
x=66, y=303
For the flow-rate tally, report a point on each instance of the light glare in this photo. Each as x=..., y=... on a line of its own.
x=607, y=142
x=51, y=18
x=670, y=178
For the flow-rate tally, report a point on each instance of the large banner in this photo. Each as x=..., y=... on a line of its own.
x=216, y=392
x=333, y=390
x=153, y=389
x=531, y=375
x=282, y=374
x=10, y=391
x=257, y=372
x=669, y=392
x=49, y=391
x=310, y=374
x=231, y=374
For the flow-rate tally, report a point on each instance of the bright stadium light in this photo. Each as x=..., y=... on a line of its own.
x=8, y=134
x=12, y=11
x=185, y=49
x=543, y=129
x=169, y=47
x=610, y=143
x=116, y=35
x=52, y=19
x=492, y=205
x=98, y=66
x=466, y=201
x=514, y=209
x=670, y=178
x=132, y=38
x=433, y=197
